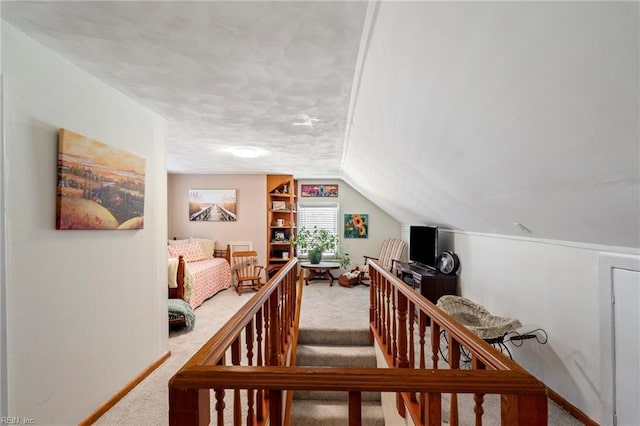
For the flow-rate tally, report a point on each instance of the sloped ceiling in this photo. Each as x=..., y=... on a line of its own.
x=479, y=115
x=469, y=115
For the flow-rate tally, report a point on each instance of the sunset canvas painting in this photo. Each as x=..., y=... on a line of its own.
x=99, y=186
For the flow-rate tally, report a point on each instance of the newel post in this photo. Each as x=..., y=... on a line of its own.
x=189, y=407
x=524, y=410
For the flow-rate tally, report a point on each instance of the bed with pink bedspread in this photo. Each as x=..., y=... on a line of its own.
x=198, y=275
x=209, y=277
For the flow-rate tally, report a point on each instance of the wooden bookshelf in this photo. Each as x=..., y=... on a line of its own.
x=282, y=219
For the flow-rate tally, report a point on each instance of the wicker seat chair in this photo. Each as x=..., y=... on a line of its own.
x=492, y=329
x=245, y=264
x=390, y=251
x=476, y=317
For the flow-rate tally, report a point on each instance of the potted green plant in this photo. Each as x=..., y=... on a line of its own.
x=318, y=240
x=344, y=259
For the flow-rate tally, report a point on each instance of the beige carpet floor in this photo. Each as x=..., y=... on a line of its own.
x=322, y=307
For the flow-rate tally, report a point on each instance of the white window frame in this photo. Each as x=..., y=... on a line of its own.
x=334, y=227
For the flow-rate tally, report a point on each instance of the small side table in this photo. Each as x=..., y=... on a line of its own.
x=319, y=271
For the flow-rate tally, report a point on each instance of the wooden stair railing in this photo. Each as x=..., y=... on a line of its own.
x=270, y=313
x=396, y=309
x=265, y=323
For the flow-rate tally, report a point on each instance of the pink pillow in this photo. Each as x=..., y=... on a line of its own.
x=191, y=252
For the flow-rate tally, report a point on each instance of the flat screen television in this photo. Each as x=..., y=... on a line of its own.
x=423, y=245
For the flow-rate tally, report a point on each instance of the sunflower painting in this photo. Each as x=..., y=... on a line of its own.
x=356, y=225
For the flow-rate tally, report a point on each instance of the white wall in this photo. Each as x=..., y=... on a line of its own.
x=251, y=210
x=554, y=285
x=3, y=277
x=86, y=310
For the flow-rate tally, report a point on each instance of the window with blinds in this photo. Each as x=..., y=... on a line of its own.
x=322, y=216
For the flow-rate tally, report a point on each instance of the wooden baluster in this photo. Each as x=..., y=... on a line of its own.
x=355, y=409
x=293, y=296
x=379, y=307
x=282, y=323
x=259, y=328
x=412, y=320
x=372, y=304
x=274, y=330
x=478, y=398
x=189, y=407
x=237, y=406
x=286, y=325
x=388, y=317
x=454, y=364
x=401, y=349
x=266, y=331
x=435, y=344
x=432, y=412
x=286, y=309
x=275, y=407
x=249, y=340
x=287, y=317
x=266, y=311
x=372, y=309
x=250, y=392
x=381, y=310
x=394, y=325
x=259, y=362
x=412, y=344
x=288, y=312
x=219, y=395
x=422, y=329
x=383, y=314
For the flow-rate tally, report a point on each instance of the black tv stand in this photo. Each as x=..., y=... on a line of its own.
x=429, y=283
x=419, y=268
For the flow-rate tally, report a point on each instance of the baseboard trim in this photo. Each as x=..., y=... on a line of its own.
x=572, y=409
x=125, y=390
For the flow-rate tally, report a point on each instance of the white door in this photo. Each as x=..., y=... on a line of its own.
x=626, y=317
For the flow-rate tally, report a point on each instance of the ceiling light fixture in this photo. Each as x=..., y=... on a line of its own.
x=246, y=152
x=303, y=120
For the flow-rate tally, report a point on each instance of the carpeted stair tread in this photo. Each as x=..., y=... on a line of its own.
x=334, y=347
x=334, y=336
x=332, y=356
x=333, y=413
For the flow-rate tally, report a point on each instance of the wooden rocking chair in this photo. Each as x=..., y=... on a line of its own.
x=245, y=265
